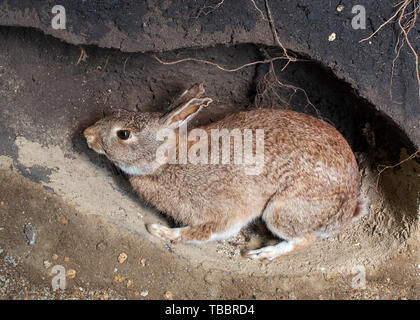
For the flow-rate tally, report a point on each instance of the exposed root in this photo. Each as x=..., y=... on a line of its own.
x=397, y=50
x=259, y=10
x=208, y=9
x=271, y=83
x=406, y=21
x=381, y=168
x=125, y=63
x=83, y=55
x=218, y=66
x=106, y=64
x=276, y=35
x=99, y=68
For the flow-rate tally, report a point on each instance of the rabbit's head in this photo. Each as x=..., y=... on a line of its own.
x=131, y=139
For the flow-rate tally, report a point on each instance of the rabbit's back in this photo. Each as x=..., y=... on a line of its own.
x=299, y=147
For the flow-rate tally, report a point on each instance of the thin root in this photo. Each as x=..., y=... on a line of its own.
x=381, y=168
x=83, y=55
x=406, y=22
x=208, y=9
x=218, y=66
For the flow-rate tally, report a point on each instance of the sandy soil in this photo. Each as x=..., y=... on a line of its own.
x=92, y=246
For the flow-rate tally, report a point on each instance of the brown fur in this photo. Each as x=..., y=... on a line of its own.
x=309, y=184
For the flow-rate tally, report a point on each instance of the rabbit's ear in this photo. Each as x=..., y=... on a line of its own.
x=196, y=91
x=181, y=115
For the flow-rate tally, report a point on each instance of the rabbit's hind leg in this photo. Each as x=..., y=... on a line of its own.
x=197, y=234
x=285, y=247
x=286, y=219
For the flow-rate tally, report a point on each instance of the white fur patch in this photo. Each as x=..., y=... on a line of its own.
x=133, y=171
x=271, y=252
x=164, y=232
x=323, y=235
x=100, y=151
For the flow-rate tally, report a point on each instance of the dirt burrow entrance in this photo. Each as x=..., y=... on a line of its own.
x=46, y=99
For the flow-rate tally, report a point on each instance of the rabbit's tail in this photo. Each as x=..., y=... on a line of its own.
x=362, y=208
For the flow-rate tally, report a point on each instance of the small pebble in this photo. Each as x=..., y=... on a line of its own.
x=332, y=36
x=29, y=234
x=169, y=295
x=66, y=259
x=70, y=274
x=340, y=8
x=54, y=257
x=122, y=257
x=129, y=283
x=47, y=264
x=62, y=220
x=118, y=279
x=11, y=260
x=143, y=262
x=144, y=293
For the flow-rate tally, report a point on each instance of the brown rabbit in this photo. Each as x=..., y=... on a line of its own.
x=307, y=188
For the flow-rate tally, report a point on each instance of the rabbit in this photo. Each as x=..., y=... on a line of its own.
x=308, y=188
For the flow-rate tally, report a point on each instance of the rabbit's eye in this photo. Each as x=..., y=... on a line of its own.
x=123, y=134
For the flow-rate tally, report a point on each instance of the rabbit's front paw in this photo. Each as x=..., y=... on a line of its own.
x=164, y=233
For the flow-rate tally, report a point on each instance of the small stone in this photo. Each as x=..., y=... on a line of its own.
x=118, y=279
x=332, y=37
x=11, y=260
x=143, y=262
x=340, y=8
x=47, y=264
x=168, y=295
x=54, y=257
x=70, y=274
x=62, y=220
x=122, y=257
x=129, y=283
x=66, y=259
x=101, y=246
x=144, y=293
x=29, y=234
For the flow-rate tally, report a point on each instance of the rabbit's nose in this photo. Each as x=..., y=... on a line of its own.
x=93, y=140
x=91, y=136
